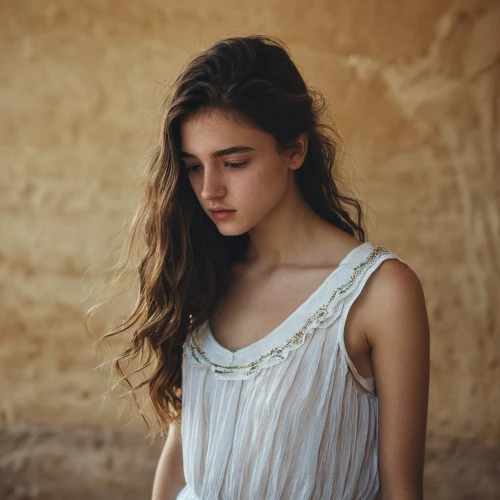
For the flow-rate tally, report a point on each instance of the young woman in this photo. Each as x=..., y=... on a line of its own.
x=292, y=355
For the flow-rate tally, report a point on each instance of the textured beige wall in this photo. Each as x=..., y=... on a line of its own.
x=414, y=88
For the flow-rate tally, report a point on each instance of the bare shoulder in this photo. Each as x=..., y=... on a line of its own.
x=393, y=274
x=393, y=295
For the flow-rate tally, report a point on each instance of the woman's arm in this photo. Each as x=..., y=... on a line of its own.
x=169, y=477
x=397, y=329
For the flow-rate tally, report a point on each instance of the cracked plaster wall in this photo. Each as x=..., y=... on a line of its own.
x=414, y=89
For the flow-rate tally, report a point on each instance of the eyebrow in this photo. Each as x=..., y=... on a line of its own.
x=222, y=152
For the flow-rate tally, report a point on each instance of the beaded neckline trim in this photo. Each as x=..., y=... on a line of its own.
x=197, y=354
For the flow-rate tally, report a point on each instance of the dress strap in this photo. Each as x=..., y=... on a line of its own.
x=354, y=293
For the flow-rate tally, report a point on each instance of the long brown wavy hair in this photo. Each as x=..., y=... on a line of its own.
x=183, y=266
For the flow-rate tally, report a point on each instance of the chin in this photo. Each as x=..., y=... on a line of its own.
x=231, y=229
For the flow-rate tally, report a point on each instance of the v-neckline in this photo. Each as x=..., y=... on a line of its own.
x=262, y=341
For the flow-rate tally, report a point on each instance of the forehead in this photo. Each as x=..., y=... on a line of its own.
x=213, y=130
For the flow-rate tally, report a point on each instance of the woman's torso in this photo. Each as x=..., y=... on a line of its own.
x=287, y=417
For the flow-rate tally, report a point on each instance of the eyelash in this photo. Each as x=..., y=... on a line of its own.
x=232, y=165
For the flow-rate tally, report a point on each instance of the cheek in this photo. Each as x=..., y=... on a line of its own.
x=263, y=185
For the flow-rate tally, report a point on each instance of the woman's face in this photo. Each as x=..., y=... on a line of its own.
x=235, y=167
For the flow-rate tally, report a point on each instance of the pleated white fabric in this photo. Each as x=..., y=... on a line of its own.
x=287, y=417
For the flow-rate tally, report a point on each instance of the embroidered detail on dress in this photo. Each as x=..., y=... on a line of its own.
x=195, y=350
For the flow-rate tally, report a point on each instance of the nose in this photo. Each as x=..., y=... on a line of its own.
x=213, y=184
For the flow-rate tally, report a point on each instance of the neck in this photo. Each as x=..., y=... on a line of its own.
x=287, y=234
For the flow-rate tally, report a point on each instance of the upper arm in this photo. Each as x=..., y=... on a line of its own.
x=169, y=477
x=397, y=329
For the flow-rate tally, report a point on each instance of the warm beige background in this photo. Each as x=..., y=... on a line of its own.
x=414, y=88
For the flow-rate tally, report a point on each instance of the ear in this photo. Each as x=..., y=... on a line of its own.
x=299, y=151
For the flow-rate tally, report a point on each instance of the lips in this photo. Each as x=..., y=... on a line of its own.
x=222, y=214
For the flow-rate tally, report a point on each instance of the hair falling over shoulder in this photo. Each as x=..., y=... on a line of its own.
x=184, y=260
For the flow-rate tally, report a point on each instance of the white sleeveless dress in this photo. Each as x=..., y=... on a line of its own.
x=287, y=417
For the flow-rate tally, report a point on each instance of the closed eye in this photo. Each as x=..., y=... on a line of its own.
x=235, y=165
x=194, y=168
